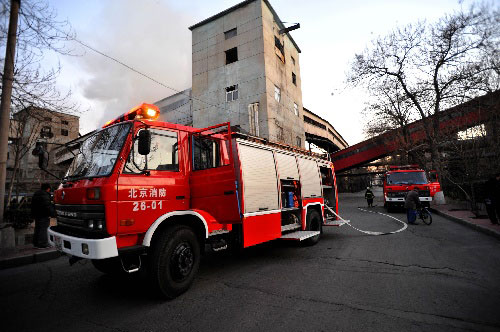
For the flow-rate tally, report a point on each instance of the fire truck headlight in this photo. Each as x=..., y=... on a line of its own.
x=90, y=224
x=98, y=224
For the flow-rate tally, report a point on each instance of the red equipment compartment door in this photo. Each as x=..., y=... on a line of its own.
x=146, y=193
x=213, y=178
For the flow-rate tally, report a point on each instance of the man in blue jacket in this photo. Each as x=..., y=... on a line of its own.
x=412, y=202
x=42, y=210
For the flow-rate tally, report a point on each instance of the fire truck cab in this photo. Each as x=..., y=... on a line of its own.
x=140, y=187
x=401, y=179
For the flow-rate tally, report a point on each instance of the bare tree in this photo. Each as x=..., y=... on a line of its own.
x=434, y=66
x=33, y=86
x=40, y=33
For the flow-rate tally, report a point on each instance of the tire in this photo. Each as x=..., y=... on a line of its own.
x=175, y=261
x=389, y=207
x=314, y=223
x=109, y=265
x=426, y=217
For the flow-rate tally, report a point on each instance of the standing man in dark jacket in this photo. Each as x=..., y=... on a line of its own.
x=492, y=200
x=412, y=202
x=41, y=210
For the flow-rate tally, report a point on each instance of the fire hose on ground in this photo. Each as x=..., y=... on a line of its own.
x=347, y=222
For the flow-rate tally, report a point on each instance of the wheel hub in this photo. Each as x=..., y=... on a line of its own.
x=182, y=260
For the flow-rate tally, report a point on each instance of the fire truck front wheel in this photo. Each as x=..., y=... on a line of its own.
x=175, y=261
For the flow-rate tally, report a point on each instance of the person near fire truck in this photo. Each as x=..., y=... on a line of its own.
x=492, y=200
x=412, y=202
x=41, y=210
x=369, y=196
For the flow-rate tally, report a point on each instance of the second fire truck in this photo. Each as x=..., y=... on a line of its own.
x=401, y=179
x=142, y=193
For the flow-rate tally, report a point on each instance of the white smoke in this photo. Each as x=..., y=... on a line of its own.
x=147, y=35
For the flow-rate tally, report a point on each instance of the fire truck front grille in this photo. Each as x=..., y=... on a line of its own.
x=424, y=193
x=396, y=194
x=87, y=218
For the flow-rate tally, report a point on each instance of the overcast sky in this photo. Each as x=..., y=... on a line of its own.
x=153, y=37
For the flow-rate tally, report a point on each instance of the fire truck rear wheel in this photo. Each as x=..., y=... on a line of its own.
x=175, y=261
x=314, y=223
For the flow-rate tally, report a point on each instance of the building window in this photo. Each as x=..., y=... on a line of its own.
x=64, y=122
x=231, y=55
x=253, y=119
x=294, y=79
x=47, y=119
x=230, y=33
x=64, y=132
x=279, y=49
x=277, y=93
x=298, y=141
x=46, y=132
x=232, y=93
x=296, y=109
x=293, y=60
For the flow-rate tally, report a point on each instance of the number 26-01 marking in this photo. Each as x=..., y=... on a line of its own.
x=142, y=206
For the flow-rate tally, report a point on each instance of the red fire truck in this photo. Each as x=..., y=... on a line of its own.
x=142, y=193
x=401, y=179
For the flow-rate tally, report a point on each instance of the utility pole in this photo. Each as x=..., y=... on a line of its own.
x=8, y=78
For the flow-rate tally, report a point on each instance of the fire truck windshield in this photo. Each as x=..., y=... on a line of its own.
x=407, y=178
x=98, y=153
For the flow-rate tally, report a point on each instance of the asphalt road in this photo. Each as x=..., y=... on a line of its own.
x=442, y=277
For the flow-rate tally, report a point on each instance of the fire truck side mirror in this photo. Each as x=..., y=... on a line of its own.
x=144, y=145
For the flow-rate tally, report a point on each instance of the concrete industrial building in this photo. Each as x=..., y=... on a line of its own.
x=31, y=127
x=245, y=70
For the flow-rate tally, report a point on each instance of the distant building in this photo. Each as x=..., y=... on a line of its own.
x=29, y=128
x=245, y=70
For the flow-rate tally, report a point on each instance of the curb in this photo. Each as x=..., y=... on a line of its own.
x=29, y=259
x=466, y=223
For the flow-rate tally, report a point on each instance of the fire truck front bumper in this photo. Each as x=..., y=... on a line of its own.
x=84, y=248
x=402, y=200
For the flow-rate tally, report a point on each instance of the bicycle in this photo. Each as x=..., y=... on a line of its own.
x=424, y=214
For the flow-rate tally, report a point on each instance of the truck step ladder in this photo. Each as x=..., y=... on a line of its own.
x=289, y=227
x=299, y=235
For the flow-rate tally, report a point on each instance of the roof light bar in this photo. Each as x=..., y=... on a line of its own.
x=143, y=111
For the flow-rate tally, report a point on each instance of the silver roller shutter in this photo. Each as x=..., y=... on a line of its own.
x=309, y=178
x=260, y=191
x=287, y=166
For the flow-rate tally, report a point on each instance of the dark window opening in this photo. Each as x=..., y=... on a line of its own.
x=46, y=132
x=64, y=122
x=48, y=119
x=294, y=79
x=230, y=33
x=293, y=60
x=64, y=132
x=231, y=55
x=279, y=49
x=232, y=93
